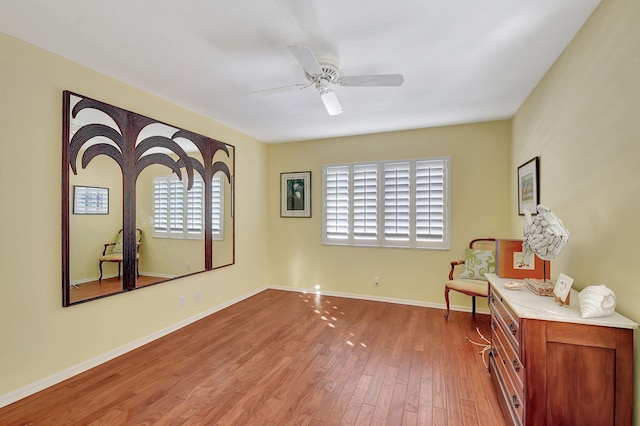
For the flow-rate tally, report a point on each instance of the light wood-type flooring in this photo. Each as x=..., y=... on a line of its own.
x=287, y=358
x=113, y=285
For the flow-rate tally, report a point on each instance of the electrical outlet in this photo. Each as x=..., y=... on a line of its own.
x=376, y=281
x=181, y=301
x=197, y=296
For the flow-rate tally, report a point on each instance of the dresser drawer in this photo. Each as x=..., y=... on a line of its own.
x=512, y=396
x=503, y=315
x=505, y=353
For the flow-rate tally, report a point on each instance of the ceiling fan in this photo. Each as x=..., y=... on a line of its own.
x=322, y=73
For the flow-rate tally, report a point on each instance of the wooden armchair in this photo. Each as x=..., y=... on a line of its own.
x=480, y=259
x=112, y=252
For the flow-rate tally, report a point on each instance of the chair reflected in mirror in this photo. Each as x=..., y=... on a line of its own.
x=112, y=252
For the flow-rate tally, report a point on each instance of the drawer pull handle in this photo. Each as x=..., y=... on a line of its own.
x=516, y=403
x=494, y=325
x=493, y=299
x=513, y=328
x=516, y=365
x=493, y=352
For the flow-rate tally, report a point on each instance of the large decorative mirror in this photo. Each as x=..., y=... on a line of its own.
x=143, y=202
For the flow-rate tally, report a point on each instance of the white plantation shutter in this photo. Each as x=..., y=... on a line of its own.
x=178, y=213
x=176, y=206
x=397, y=201
x=194, y=208
x=365, y=201
x=388, y=204
x=430, y=200
x=160, y=205
x=217, y=211
x=336, y=202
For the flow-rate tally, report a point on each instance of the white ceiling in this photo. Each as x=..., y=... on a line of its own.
x=462, y=60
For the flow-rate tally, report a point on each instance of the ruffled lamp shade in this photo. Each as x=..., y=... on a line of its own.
x=544, y=234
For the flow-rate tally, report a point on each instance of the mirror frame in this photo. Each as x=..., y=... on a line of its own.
x=132, y=157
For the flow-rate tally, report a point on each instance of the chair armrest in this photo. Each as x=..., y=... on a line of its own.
x=104, y=251
x=453, y=266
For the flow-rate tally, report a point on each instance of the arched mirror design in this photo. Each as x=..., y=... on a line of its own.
x=143, y=202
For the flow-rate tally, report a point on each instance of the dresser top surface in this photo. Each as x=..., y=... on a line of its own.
x=529, y=305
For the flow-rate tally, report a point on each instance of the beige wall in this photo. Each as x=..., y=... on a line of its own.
x=583, y=120
x=480, y=185
x=39, y=337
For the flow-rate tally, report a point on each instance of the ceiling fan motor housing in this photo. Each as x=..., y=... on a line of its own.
x=329, y=72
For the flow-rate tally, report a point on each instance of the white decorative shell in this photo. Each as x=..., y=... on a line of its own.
x=597, y=301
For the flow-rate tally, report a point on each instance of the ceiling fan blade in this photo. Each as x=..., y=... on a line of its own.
x=372, y=80
x=279, y=89
x=307, y=59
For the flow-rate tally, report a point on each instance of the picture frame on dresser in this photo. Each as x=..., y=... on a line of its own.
x=562, y=289
x=511, y=262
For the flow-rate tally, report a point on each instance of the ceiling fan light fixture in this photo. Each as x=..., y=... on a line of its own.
x=330, y=101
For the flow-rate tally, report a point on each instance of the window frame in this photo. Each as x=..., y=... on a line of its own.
x=342, y=208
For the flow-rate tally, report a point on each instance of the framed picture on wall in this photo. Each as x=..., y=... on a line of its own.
x=528, y=186
x=295, y=194
x=90, y=200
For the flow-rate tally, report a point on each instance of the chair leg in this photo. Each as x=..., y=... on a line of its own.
x=100, y=279
x=137, y=267
x=446, y=298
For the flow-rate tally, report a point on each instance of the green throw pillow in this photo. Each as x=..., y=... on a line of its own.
x=478, y=263
x=117, y=248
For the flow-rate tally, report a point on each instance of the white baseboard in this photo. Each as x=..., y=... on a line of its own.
x=56, y=378
x=383, y=299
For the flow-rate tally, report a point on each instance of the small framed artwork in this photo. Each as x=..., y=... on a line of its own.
x=90, y=200
x=511, y=262
x=562, y=289
x=295, y=194
x=528, y=186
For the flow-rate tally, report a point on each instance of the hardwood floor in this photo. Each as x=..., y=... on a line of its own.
x=93, y=289
x=281, y=358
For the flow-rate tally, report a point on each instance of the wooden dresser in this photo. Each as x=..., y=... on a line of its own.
x=551, y=367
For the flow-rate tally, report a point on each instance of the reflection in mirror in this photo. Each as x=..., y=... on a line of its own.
x=158, y=201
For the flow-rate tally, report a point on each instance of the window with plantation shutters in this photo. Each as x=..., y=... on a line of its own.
x=179, y=213
x=387, y=204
